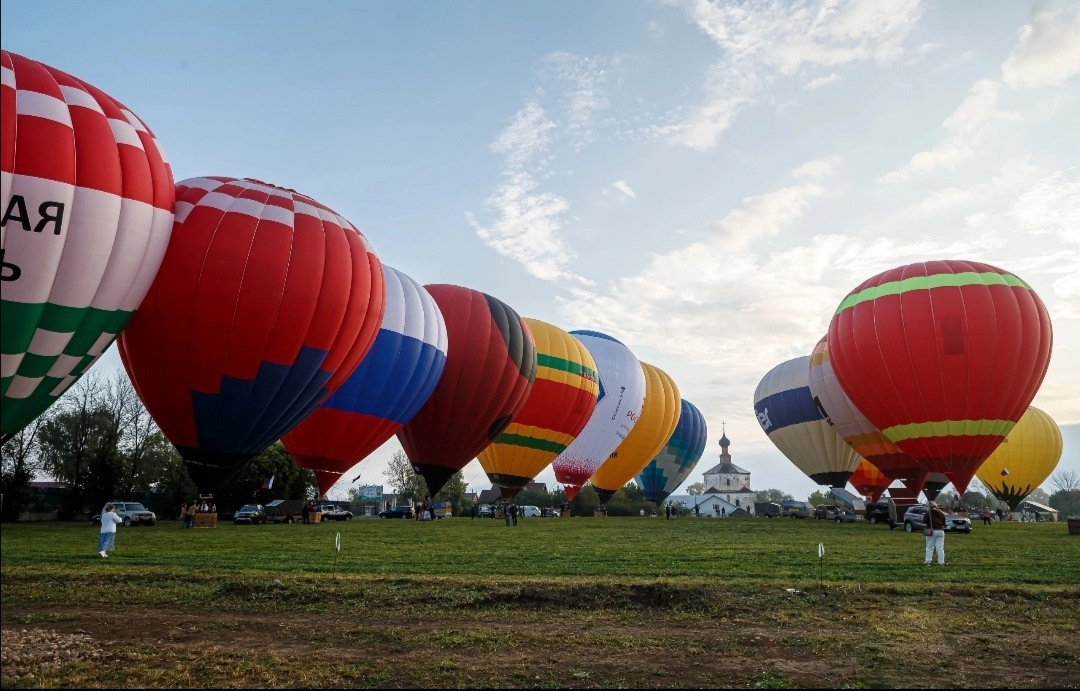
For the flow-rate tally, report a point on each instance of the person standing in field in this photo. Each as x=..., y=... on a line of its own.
x=107, y=539
x=935, y=534
x=986, y=516
x=183, y=515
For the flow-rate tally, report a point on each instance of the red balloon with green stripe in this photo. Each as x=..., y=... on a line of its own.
x=943, y=357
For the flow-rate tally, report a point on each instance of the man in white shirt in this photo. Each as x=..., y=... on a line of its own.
x=109, y=521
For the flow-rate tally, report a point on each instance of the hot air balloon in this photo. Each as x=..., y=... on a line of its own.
x=561, y=402
x=943, y=357
x=787, y=413
x=393, y=381
x=935, y=482
x=622, y=393
x=659, y=416
x=869, y=481
x=265, y=303
x=87, y=202
x=490, y=369
x=857, y=431
x=678, y=458
x=1024, y=460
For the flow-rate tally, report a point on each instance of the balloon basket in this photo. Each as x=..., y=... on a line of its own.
x=1074, y=526
x=205, y=520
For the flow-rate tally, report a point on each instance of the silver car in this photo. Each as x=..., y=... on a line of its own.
x=915, y=519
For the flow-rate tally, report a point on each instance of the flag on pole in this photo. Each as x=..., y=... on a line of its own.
x=268, y=484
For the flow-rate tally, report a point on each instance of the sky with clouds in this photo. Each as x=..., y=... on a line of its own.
x=703, y=180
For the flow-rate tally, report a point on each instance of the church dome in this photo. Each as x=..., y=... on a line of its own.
x=724, y=443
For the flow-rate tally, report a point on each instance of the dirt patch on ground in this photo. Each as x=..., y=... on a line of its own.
x=539, y=636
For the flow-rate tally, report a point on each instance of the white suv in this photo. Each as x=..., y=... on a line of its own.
x=530, y=512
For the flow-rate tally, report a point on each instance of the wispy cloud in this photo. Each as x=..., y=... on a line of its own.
x=763, y=40
x=522, y=221
x=821, y=81
x=967, y=127
x=1048, y=52
x=621, y=186
x=738, y=309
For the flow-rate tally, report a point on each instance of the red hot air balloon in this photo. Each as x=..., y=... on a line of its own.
x=943, y=357
x=489, y=372
x=265, y=303
x=869, y=481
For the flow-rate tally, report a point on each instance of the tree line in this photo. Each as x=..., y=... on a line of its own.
x=100, y=442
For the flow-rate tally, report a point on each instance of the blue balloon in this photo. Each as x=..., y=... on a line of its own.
x=674, y=463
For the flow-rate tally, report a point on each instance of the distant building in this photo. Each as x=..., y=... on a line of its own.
x=727, y=488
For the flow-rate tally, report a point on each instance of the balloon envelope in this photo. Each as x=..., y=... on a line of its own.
x=1024, y=460
x=489, y=372
x=787, y=413
x=622, y=393
x=869, y=481
x=659, y=416
x=560, y=403
x=943, y=357
x=393, y=381
x=855, y=429
x=265, y=302
x=87, y=203
x=678, y=458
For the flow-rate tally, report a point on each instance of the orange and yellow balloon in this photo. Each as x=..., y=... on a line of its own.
x=659, y=416
x=560, y=404
x=1024, y=460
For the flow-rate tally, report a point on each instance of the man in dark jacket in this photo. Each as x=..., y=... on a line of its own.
x=935, y=534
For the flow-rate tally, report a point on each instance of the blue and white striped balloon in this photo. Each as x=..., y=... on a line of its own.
x=786, y=411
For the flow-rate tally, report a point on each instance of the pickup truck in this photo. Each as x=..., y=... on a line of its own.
x=335, y=513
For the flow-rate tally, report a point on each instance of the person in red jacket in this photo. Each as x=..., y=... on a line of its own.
x=935, y=534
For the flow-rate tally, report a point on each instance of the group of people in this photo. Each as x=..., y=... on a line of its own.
x=188, y=511
x=425, y=510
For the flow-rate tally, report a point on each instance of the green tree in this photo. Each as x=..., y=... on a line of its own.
x=1039, y=495
x=772, y=495
x=586, y=502
x=21, y=463
x=79, y=446
x=403, y=480
x=290, y=481
x=453, y=491
x=818, y=497
x=629, y=501
x=696, y=488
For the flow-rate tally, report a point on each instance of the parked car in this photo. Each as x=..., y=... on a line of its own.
x=843, y=517
x=252, y=514
x=792, y=508
x=331, y=512
x=878, y=512
x=485, y=511
x=826, y=511
x=398, y=512
x=132, y=512
x=530, y=511
x=915, y=519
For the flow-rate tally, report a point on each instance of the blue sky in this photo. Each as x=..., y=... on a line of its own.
x=703, y=181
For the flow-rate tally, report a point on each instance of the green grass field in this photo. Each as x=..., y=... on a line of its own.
x=552, y=602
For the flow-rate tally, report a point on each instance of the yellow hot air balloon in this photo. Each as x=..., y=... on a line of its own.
x=659, y=416
x=1024, y=460
x=560, y=404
